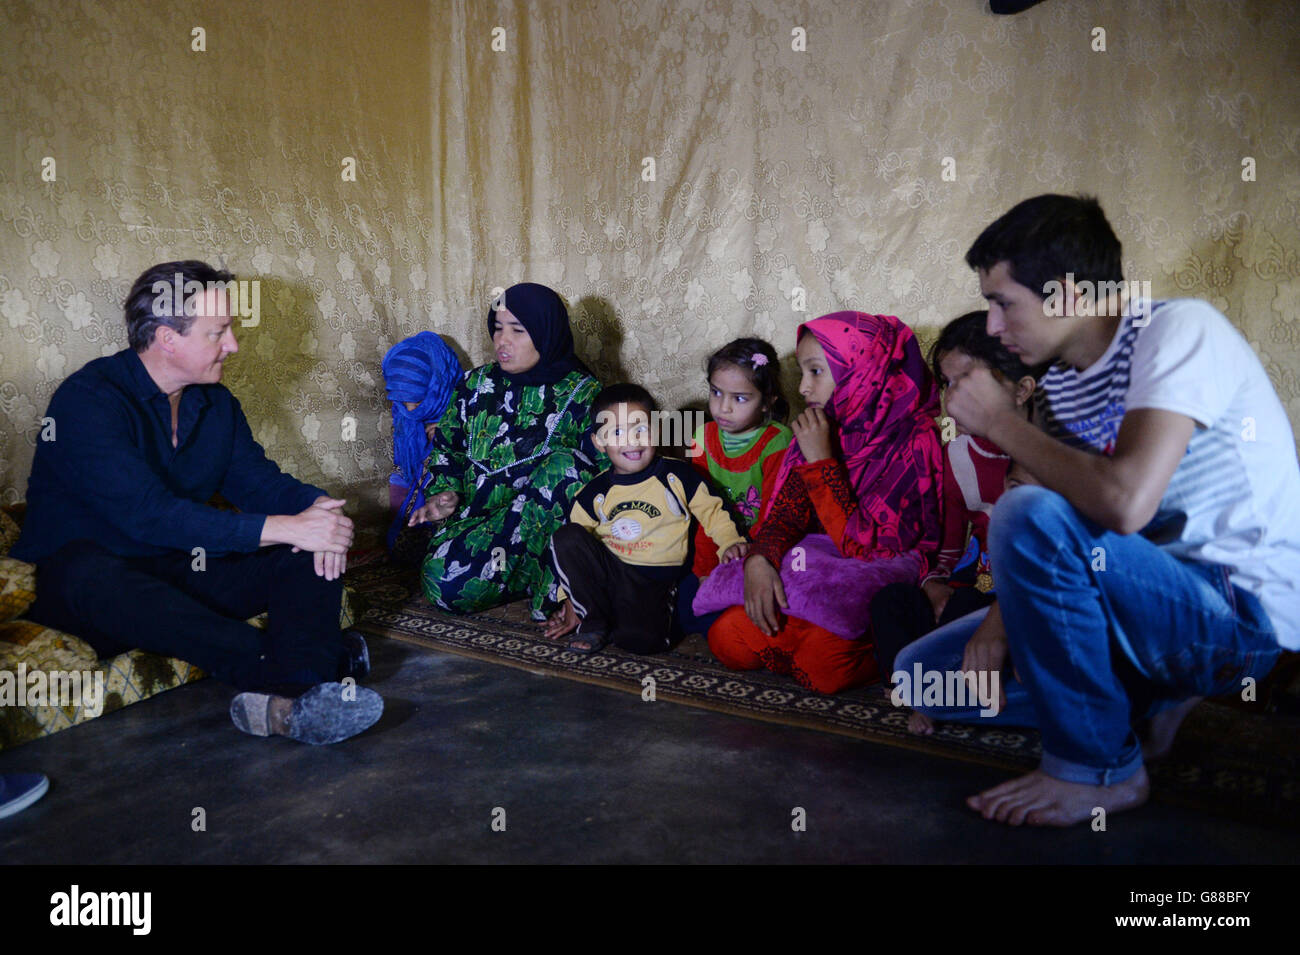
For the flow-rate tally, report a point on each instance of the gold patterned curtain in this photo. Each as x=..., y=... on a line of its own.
x=679, y=171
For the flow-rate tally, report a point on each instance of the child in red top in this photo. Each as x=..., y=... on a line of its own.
x=855, y=506
x=974, y=474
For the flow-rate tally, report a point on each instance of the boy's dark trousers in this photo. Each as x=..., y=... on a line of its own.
x=632, y=609
x=902, y=613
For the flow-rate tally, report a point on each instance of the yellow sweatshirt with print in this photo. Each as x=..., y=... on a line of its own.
x=645, y=519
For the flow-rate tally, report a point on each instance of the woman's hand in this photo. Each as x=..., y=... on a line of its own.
x=987, y=651
x=436, y=508
x=763, y=594
x=430, y=428
x=564, y=620
x=813, y=431
x=421, y=515
x=938, y=592
x=445, y=504
x=734, y=552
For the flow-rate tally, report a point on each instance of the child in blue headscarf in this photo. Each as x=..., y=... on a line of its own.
x=420, y=373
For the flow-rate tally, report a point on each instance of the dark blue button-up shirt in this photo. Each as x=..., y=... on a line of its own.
x=112, y=476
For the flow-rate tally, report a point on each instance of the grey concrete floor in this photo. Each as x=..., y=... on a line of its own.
x=583, y=774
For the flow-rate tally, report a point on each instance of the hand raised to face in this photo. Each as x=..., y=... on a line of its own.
x=813, y=431
x=976, y=400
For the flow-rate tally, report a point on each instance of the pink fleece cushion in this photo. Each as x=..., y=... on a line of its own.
x=828, y=589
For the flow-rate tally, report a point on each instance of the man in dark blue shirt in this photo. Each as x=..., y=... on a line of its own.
x=130, y=554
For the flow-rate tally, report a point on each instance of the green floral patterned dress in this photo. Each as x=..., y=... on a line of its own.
x=516, y=455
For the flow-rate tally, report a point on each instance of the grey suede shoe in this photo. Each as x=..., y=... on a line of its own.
x=327, y=713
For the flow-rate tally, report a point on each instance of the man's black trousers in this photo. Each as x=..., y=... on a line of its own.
x=173, y=605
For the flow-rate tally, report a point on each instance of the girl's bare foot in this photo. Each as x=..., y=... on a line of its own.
x=920, y=724
x=1037, y=799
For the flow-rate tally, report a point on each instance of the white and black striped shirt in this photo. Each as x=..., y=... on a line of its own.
x=1235, y=497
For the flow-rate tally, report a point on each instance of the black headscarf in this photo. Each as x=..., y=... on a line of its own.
x=541, y=311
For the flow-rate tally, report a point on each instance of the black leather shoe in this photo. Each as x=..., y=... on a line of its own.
x=355, y=659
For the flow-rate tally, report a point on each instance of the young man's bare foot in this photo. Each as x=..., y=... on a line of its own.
x=1037, y=799
x=920, y=724
x=1157, y=734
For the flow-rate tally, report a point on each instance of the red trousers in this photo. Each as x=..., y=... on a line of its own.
x=815, y=657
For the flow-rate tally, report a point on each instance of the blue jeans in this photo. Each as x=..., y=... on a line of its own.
x=941, y=651
x=1104, y=629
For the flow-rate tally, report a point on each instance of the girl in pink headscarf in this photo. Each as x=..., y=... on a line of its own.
x=855, y=507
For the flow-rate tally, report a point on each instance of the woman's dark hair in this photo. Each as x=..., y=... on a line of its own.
x=764, y=374
x=1047, y=236
x=143, y=318
x=624, y=393
x=968, y=334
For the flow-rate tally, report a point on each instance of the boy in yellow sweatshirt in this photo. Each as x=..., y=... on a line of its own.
x=627, y=542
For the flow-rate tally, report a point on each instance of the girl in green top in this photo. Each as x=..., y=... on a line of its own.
x=740, y=449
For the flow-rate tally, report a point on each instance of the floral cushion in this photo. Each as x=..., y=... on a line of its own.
x=17, y=587
x=127, y=678
x=9, y=531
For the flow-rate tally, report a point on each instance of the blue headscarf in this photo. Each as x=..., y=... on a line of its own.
x=541, y=311
x=425, y=370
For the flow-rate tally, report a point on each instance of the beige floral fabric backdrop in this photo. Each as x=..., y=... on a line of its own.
x=677, y=171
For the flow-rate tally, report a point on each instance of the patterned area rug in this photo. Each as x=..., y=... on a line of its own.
x=1225, y=760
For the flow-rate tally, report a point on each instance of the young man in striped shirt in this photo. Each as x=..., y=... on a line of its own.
x=1159, y=560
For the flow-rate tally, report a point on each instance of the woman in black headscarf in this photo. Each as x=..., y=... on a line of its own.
x=509, y=454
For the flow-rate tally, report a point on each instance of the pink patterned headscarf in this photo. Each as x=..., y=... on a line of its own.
x=882, y=412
